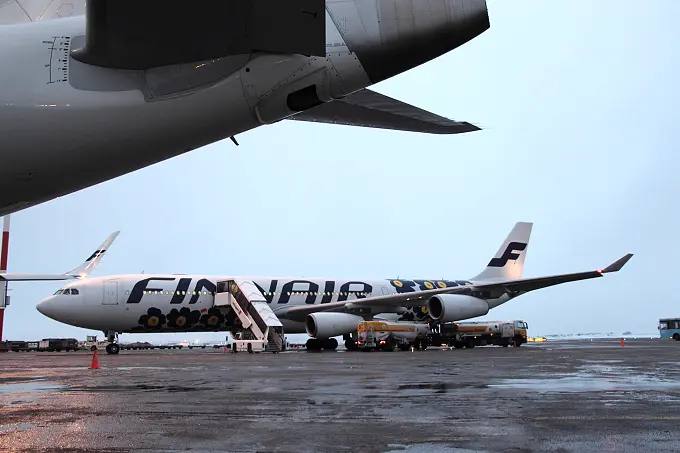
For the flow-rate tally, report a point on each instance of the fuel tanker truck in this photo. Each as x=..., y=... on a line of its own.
x=481, y=333
x=386, y=335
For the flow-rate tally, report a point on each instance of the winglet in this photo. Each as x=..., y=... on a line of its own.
x=616, y=265
x=88, y=266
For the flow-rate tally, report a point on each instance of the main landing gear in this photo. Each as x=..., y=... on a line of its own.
x=112, y=347
x=317, y=344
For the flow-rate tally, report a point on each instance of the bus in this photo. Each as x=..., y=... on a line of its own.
x=669, y=328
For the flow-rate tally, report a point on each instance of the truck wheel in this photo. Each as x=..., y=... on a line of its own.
x=404, y=347
x=676, y=337
x=388, y=347
x=351, y=345
x=250, y=348
x=459, y=345
x=518, y=341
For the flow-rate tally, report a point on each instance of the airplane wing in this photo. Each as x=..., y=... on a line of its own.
x=81, y=271
x=515, y=287
x=132, y=34
x=367, y=108
x=530, y=284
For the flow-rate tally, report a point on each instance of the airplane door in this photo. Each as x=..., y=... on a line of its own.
x=110, y=293
x=385, y=291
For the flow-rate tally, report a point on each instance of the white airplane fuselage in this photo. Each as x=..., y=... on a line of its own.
x=125, y=303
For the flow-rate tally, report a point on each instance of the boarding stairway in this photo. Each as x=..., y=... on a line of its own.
x=261, y=330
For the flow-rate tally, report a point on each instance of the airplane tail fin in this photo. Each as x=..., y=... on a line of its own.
x=81, y=271
x=508, y=262
x=88, y=266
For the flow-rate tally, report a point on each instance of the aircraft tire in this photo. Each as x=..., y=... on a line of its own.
x=351, y=345
x=314, y=344
x=331, y=344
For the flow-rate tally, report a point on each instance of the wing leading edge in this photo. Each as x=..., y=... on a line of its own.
x=514, y=287
x=366, y=108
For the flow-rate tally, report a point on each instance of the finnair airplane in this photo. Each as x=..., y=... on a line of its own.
x=323, y=308
x=94, y=90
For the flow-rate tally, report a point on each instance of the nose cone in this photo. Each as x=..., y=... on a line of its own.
x=46, y=307
x=393, y=36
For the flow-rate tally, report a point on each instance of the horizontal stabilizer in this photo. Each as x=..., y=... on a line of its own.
x=367, y=108
x=132, y=34
x=81, y=271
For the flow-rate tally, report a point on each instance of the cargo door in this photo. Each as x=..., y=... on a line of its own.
x=110, y=293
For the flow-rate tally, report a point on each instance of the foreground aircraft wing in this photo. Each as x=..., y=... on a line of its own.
x=133, y=34
x=515, y=287
x=367, y=108
x=81, y=271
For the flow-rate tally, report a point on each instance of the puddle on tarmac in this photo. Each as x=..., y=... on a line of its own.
x=28, y=387
x=429, y=448
x=19, y=427
x=587, y=384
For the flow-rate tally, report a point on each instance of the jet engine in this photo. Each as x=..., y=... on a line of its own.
x=454, y=307
x=328, y=325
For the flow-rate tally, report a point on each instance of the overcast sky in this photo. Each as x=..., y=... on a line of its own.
x=578, y=100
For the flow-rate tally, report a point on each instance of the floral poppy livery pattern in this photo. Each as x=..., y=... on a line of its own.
x=214, y=319
x=154, y=319
x=183, y=319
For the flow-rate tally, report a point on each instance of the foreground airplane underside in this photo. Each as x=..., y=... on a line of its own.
x=323, y=308
x=93, y=91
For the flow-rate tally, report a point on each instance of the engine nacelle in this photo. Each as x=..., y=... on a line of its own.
x=327, y=325
x=454, y=307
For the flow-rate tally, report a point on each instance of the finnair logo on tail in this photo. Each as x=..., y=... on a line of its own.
x=509, y=254
x=94, y=255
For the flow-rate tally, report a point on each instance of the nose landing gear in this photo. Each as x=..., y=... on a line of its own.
x=112, y=347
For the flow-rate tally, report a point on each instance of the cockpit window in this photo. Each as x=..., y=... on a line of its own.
x=67, y=291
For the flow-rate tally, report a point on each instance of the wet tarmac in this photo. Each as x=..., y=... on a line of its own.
x=567, y=396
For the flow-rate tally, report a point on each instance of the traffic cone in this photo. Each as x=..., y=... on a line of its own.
x=622, y=341
x=95, y=361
